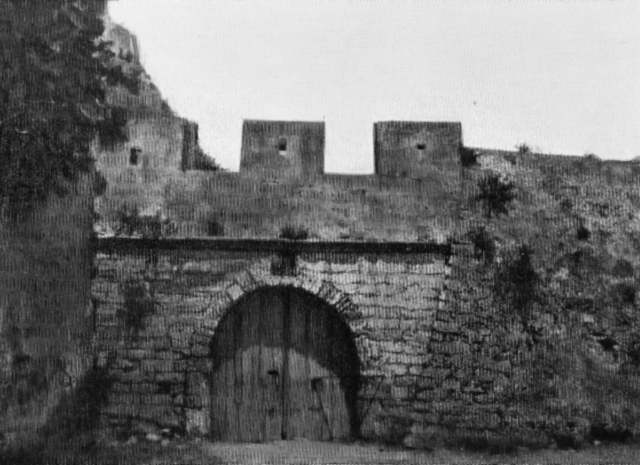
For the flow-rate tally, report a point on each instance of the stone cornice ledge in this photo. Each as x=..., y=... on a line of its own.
x=131, y=245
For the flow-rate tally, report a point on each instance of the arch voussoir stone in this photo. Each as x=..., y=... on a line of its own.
x=246, y=281
x=235, y=291
x=327, y=291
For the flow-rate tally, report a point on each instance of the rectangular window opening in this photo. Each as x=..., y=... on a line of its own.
x=133, y=156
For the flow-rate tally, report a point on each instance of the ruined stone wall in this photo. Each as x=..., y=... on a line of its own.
x=443, y=361
x=330, y=207
x=390, y=302
x=158, y=140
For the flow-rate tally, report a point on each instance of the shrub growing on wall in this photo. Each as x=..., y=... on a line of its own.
x=484, y=244
x=139, y=304
x=131, y=222
x=215, y=227
x=523, y=149
x=294, y=233
x=495, y=194
x=516, y=282
x=52, y=99
x=468, y=157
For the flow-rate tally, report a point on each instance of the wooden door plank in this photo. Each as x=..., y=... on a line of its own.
x=318, y=336
x=299, y=398
x=248, y=343
x=272, y=308
x=285, y=295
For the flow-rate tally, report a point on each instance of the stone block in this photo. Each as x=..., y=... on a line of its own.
x=199, y=350
x=155, y=343
x=400, y=392
x=121, y=387
x=180, y=337
x=168, y=355
x=235, y=292
x=124, y=398
x=503, y=367
x=135, y=376
x=220, y=301
x=157, y=365
x=395, y=369
x=197, y=385
x=163, y=416
x=246, y=281
x=315, y=267
x=327, y=291
x=344, y=268
x=159, y=399
x=450, y=385
x=198, y=422
x=142, y=388
x=136, y=354
x=169, y=377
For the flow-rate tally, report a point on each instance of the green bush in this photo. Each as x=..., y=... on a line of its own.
x=495, y=194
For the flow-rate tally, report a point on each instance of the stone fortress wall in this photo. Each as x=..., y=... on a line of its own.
x=282, y=181
x=436, y=364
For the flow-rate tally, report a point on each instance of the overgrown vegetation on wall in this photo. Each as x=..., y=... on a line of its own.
x=562, y=272
x=131, y=222
x=495, y=194
x=54, y=73
x=139, y=304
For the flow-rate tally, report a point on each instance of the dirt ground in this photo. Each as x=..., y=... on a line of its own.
x=305, y=452
x=180, y=452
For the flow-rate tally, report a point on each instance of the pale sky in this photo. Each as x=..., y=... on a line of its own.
x=562, y=76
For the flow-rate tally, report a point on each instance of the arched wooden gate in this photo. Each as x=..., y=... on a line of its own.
x=284, y=366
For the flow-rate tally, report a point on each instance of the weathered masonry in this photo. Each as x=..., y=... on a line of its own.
x=253, y=340
x=282, y=180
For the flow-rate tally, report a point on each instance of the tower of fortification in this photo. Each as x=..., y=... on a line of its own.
x=416, y=149
x=288, y=148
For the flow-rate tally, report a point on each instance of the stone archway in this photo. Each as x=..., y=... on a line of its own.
x=284, y=366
